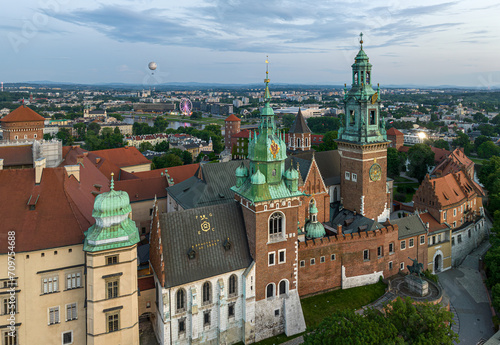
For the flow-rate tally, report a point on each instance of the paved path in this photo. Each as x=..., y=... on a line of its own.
x=469, y=298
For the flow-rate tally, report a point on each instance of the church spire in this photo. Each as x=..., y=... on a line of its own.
x=267, y=94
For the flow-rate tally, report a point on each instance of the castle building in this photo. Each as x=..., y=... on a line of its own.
x=395, y=137
x=22, y=124
x=231, y=127
x=362, y=144
x=299, y=135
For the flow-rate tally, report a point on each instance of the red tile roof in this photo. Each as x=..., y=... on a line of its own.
x=123, y=156
x=22, y=114
x=394, y=131
x=434, y=225
x=16, y=155
x=242, y=134
x=144, y=189
x=232, y=117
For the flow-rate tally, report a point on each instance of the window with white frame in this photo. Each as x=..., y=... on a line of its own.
x=276, y=227
x=50, y=284
x=321, y=259
x=444, y=215
x=53, y=315
x=422, y=239
x=271, y=259
x=347, y=175
x=454, y=212
x=410, y=243
x=270, y=290
x=9, y=339
x=67, y=338
x=73, y=280
x=354, y=177
x=403, y=245
x=380, y=251
x=113, y=322
x=313, y=261
x=390, y=265
x=366, y=255
x=71, y=313
x=282, y=256
x=391, y=247
x=332, y=257
x=402, y=266
x=302, y=263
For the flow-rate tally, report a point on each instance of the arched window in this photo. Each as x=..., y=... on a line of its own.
x=298, y=142
x=233, y=285
x=283, y=287
x=356, y=78
x=270, y=291
x=276, y=225
x=207, y=293
x=181, y=300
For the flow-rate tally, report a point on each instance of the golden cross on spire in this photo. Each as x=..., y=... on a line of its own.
x=267, y=69
x=361, y=39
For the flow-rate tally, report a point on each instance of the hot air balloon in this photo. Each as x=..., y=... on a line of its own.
x=152, y=66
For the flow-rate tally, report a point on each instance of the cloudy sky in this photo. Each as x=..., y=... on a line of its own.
x=226, y=41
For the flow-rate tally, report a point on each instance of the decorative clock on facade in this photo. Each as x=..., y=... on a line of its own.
x=375, y=172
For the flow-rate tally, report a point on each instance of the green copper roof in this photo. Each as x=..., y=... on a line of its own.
x=113, y=228
x=242, y=171
x=258, y=178
x=313, y=209
x=315, y=230
x=291, y=174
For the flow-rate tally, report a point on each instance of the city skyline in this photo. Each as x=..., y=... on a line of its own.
x=227, y=41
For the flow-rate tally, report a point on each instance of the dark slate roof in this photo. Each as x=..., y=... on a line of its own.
x=183, y=231
x=351, y=223
x=328, y=164
x=212, y=184
x=409, y=226
x=299, y=125
x=143, y=253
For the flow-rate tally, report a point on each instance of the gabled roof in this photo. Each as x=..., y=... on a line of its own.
x=123, y=156
x=299, y=125
x=215, y=236
x=144, y=189
x=394, y=131
x=17, y=155
x=328, y=164
x=434, y=225
x=454, y=188
x=409, y=226
x=22, y=114
x=232, y=117
x=454, y=162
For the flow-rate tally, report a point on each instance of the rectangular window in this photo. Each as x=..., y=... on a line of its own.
x=71, y=312
x=322, y=259
x=113, y=322
x=50, y=284
x=9, y=339
x=403, y=245
x=372, y=117
x=459, y=238
x=366, y=254
x=230, y=310
x=182, y=326
x=469, y=233
x=444, y=215
x=111, y=260
x=453, y=241
x=53, y=315
x=347, y=175
x=271, y=259
x=302, y=263
x=332, y=257
x=410, y=243
x=354, y=177
x=73, y=280
x=454, y=224
x=402, y=266
x=391, y=247
x=454, y=212
x=67, y=338
x=380, y=251
x=7, y=307
x=422, y=239
x=282, y=256
x=206, y=318
x=112, y=288
x=313, y=261
x=390, y=265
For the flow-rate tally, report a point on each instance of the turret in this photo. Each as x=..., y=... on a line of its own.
x=314, y=229
x=292, y=179
x=241, y=174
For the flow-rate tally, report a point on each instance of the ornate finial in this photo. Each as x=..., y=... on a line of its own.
x=361, y=39
x=112, y=183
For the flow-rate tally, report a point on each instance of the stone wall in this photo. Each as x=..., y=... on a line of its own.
x=466, y=239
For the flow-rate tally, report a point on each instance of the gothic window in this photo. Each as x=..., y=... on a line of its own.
x=283, y=287
x=233, y=287
x=298, y=142
x=207, y=298
x=276, y=225
x=352, y=118
x=181, y=300
x=355, y=77
x=372, y=117
x=306, y=143
x=270, y=291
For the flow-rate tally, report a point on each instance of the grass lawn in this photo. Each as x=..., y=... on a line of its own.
x=408, y=196
x=318, y=307
x=477, y=160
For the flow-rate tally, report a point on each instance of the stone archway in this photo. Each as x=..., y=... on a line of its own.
x=438, y=263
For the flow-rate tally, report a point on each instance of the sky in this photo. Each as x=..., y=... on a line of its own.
x=425, y=43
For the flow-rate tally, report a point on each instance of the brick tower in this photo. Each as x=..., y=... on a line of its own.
x=270, y=199
x=232, y=127
x=23, y=124
x=362, y=144
x=299, y=134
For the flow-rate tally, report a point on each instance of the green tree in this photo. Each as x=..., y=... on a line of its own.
x=65, y=135
x=488, y=149
x=287, y=120
x=421, y=157
x=196, y=115
x=323, y=124
x=496, y=120
x=479, y=140
x=162, y=146
x=81, y=129
x=329, y=142
x=94, y=127
x=47, y=136
x=487, y=130
x=144, y=146
x=166, y=161
x=396, y=162
x=442, y=144
x=480, y=118
x=463, y=141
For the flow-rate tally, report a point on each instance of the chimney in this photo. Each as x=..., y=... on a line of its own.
x=79, y=159
x=40, y=164
x=73, y=170
x=339, y=229
x=1, y=163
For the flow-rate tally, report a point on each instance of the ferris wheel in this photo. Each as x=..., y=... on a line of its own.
x=185, y=106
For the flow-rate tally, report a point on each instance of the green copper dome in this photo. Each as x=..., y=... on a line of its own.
x=113, y=203
x=258, y=178
x=241, y=171
x=315, y=230
x=313, y=209
x=291, y=174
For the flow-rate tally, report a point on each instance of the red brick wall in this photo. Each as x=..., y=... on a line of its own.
x=156, y=249
x=11, y=129
x=230, y=129
x=358, y=159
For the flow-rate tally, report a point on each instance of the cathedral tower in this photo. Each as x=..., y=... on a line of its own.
x=362, y=144
x=269, y=196
x=111, y=256
x=299, y=134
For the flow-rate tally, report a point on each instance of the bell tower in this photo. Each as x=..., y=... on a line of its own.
x=362, y=144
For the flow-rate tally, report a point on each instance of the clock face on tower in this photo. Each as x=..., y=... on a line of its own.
x=375, y=172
